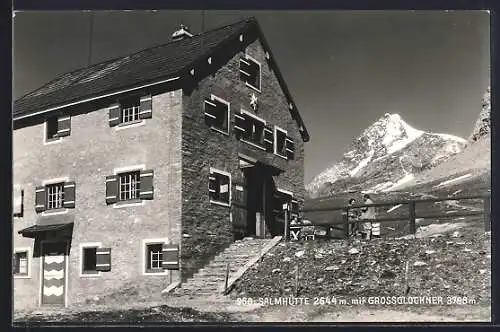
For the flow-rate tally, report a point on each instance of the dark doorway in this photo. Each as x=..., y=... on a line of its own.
x=260, y=187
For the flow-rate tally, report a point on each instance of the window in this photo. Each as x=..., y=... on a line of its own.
x=129, y=185
x=217, y=114
x=280, y=142
x=57, y=127
x=252, y=129
x=89, y=260
x=55, y=196
x=129, y=110
x=219, y=187
x=154, y=257
x=18, y=201
x=250, y=72
x=52, y=128
x=21, y=263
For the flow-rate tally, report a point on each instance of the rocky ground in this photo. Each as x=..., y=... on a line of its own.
x=456, y=267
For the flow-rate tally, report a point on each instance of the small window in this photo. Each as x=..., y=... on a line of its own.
x=55, y=196
x=129, y=110
x=129, y=186
x=52, y=128
x=89, y=260
x=217, y=114
x=21, y=263
x=280, y=144
x=250, y=72
x=154, y=257
x=220, y=187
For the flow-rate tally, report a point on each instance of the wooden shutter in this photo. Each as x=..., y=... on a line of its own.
x=210, y=112
x=111, y=189
x=146, y=185
x=268, y=139
x=63, y=126
x=103, y=259
x=69, y=195
x=170, y=257
x=114, y=115
x=212, y=186
x=40, y=199
x=146, y=107
x=240, y=125
x=290, y=148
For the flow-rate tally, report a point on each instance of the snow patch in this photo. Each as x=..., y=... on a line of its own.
x=362, y=163
x=408, y=177
x=452, y=180
x=452, y=137
x=394, y=139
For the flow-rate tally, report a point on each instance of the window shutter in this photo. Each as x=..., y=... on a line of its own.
x=210, y=112
x=268, y=139
x=290, y=148
x=111, y=189
x=170, y=257
x=114, y=115
x=69, y=195
x=40, y=199
x=64, y=126
x=146, y=108
x=240, y=125
x=103, y=259
x=212, y=186
x=146, y=185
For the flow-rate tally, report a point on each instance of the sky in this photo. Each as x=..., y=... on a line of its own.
x=344, y=69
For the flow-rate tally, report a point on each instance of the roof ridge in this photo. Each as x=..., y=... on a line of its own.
x=58, y=77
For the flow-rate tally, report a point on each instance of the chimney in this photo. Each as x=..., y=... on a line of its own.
x=182, y=33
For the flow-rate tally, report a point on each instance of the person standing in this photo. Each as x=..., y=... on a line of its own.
x=353, y=216
x=369, y=228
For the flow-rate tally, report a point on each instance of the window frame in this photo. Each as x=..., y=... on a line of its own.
x=83, y=246
x=137, y=184
x=144, y=254
x=133, y=123
x=223, y=173
x=48, y=186
x=276, y=152
x=248, y=57
x=26, y=250
x=46, y=139
x=264, y=122
x=228, y=104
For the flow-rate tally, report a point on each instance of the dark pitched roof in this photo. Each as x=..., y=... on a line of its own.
x=146, y=66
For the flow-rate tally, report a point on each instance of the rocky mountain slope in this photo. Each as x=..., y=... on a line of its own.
x=388, y=153
x=482, y=125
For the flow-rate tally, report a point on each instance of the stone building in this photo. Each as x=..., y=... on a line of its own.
x=141, y=168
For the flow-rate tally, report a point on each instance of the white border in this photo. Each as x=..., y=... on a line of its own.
x=215, y=170
x=276, y=129
x=248, y=57
x=243, y=111
x=80, y=260
x=28, y=250
x=95, y=98
x=144, y=243
x=51, y=141
x=214, y=97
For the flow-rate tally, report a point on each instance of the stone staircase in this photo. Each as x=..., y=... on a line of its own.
x=210, y=280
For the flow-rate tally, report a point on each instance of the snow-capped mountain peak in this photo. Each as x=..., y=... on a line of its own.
x=391, y=149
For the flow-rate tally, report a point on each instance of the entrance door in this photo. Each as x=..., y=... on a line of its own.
x=54, y=273
x=260, y=187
